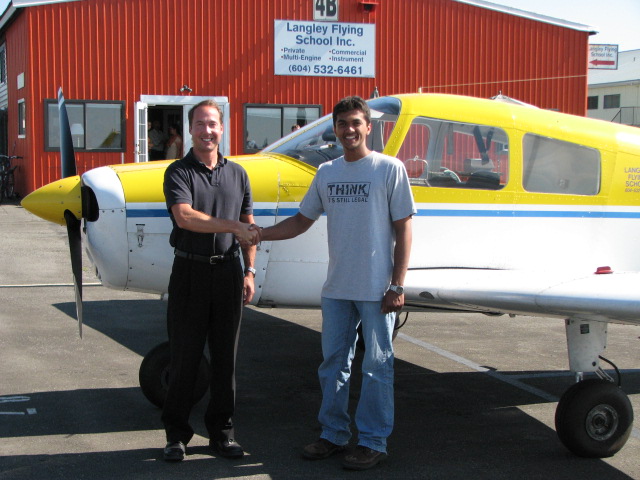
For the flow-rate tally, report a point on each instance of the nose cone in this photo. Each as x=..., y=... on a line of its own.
x=51, y=201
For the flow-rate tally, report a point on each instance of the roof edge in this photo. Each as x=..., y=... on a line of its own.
x=7, y=15
x=620, y=83
x=14, y=6
x=531, y=15
x=32, y=3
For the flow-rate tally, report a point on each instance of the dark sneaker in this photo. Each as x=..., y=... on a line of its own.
x=363, y=458
x=174, y=452
x=323, y=448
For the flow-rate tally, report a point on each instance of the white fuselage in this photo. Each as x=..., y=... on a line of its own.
x=129, y=244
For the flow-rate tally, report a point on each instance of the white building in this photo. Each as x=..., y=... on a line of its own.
x=614, y=95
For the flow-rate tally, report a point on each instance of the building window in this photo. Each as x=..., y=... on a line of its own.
x=612, y=101
x=22, y=118
x=96, y=126
x=592, y=102
x=264, y=124
x=556, y=166
x=3, y=64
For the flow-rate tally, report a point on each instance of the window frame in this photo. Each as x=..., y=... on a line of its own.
x=22, y=118
x=606, y=102
x=84, y=103
x=274, y=106
x=556, y=174
x=3, y=64
x=447, y=160
x=593, y=102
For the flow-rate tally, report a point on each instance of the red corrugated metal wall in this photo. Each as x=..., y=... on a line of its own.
x=122, y=49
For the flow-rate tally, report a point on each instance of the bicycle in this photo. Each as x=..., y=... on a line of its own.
x=7, y=177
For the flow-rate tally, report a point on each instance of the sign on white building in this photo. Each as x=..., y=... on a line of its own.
x=603, y=56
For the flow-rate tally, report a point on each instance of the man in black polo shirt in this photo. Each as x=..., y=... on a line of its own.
x=209, y=201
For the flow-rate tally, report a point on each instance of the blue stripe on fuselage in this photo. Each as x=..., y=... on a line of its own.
x=525, y=213
x=289, y=212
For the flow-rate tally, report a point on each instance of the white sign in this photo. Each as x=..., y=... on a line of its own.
x=320, y=49
x=603, y=57
x=325, y=10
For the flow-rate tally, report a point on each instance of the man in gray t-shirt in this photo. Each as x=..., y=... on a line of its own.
x=367, y=199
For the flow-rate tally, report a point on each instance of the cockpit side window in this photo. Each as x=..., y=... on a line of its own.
x=317, y=143
x=556, y=166
x=439, y=153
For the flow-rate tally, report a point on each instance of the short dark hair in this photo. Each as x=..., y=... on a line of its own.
x=351, y=103
x=205, y=103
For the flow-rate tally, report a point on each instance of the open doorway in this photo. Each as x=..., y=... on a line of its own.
x=165, y=132
x=165, y=114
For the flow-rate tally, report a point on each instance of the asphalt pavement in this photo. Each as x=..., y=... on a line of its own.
x=475, y=395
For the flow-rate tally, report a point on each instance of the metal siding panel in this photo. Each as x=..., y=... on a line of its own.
x=480, y=52
x=121, y=49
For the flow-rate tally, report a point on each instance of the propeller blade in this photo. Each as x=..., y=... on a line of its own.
x=68, y=164
x=67, y=155
x=75, y=250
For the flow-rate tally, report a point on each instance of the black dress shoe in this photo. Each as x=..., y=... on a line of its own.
x=227, y=448
x=174, y=452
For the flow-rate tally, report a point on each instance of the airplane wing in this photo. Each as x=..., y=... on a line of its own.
x=613, y=297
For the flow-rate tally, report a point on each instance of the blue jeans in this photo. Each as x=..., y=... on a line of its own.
x=374, y=414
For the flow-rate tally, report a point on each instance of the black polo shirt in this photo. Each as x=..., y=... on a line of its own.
x=223, y=192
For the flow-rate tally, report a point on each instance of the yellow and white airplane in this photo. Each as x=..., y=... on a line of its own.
x=520, y=211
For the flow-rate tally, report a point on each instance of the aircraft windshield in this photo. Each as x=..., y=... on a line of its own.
x=317, y=143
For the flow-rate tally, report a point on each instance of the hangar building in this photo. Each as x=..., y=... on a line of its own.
x=124, y=63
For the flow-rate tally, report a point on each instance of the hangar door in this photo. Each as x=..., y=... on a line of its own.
x=168, y=110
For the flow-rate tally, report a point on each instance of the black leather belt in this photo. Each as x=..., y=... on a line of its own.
x=213, y=259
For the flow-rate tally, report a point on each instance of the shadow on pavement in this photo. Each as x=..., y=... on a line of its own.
x=448, y=425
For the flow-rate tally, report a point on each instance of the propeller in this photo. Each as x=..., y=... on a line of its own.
x=68, y=164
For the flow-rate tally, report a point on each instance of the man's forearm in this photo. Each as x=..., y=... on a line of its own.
x=289, y=228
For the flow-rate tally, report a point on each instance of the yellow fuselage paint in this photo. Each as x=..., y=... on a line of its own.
x=277, y=178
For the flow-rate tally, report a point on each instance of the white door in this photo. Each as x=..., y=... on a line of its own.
x=141, y=128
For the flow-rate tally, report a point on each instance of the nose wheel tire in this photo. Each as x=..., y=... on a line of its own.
x=594, y=418
x=154, y=375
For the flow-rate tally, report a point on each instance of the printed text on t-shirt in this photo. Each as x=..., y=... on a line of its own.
x=347, y=192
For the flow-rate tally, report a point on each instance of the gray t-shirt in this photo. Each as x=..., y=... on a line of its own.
x=361, y=200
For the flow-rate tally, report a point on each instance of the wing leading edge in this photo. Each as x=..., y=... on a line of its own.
x=596, y=297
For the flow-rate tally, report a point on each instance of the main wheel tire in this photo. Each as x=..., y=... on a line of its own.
x=154, y=375
x=594, y=418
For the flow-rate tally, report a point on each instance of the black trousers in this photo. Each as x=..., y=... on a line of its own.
x=205, y=304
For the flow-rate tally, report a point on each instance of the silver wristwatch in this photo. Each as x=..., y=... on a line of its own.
x=399, y=289
x=250, y=269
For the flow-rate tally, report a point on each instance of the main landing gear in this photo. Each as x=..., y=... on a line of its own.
x=594, y=417
x=154, y=375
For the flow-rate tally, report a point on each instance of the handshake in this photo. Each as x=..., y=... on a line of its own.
x=249, y=234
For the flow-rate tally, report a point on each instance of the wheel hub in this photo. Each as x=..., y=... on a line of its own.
x=602, y=422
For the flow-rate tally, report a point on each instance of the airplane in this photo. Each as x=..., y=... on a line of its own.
x=521, y=211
